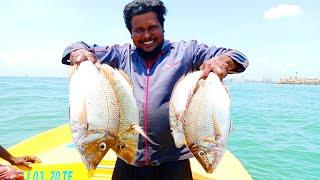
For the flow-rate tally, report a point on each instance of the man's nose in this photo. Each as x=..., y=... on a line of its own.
x=146, y=35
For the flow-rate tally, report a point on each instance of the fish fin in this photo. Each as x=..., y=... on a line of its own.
x=139, y=130
x=210, y=139
x=83, y=115
x=226, y=88
x=176, y=126
x=98, y=66
x=108, y=72
x=216, y=126
x=126, y=76
x=231, y=128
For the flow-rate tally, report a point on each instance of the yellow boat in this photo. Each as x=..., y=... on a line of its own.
x=61, y=161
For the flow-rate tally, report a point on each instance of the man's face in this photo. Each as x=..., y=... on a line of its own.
x=147, y=32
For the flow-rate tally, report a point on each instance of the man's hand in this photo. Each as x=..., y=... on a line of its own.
x=24, y=161
x=80, y=55
x=220, y=65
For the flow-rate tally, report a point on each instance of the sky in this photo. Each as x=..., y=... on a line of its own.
x=280, y=38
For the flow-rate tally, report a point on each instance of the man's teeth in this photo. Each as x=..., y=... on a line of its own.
x=148, y=42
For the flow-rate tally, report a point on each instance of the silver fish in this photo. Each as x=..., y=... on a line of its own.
x=93, y=112
x=181, y=95
x=126, y=144
x=207, y=122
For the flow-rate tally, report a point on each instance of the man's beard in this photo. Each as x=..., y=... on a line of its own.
x=150, y=55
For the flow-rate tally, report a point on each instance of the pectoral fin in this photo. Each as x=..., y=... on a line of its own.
x=139, y=130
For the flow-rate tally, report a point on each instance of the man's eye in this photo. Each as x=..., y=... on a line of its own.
x=153, y=28
x=138, y=31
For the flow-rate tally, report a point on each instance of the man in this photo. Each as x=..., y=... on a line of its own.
x=7, y=172
x=154, y=66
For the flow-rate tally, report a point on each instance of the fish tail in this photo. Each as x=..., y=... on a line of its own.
x=139, y=130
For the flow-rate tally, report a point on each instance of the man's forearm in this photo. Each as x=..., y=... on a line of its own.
x=4, y=154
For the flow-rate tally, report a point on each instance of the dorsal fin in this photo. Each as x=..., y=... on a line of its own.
x=126, y=76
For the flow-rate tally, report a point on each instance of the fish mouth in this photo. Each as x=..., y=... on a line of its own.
x=206, y=157
x=209, y=167
x=89, y=166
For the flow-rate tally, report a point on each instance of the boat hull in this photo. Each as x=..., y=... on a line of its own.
x=61, y=161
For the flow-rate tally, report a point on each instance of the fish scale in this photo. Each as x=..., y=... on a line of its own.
x=93, y=112
x=179, y=100
x=129, y=114
x=103, y=113
x=113, y=105
x=198, y=115
x=126, y=144
x=207, y=122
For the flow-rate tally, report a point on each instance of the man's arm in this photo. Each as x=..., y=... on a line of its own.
x=221, y=61
x=224, y=64
x=4, y=154
x=78, y=52
x=20, y=161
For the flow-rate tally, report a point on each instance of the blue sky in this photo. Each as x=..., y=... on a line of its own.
x=280, y=38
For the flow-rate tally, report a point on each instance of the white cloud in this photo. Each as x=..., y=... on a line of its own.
x=283, y=10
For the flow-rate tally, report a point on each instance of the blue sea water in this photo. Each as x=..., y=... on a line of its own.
x=276, y=127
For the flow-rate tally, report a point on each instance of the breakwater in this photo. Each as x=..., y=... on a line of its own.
x=297, y=80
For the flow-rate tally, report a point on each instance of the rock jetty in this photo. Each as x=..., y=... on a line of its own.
x=297, y=80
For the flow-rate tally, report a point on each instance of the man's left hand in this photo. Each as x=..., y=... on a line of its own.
x=220, y=65
x=25, y=161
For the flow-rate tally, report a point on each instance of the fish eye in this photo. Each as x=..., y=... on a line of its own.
x=122, y=146
x=201, y=153
x=102, y=146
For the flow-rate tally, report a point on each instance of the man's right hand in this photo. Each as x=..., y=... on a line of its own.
x=80, y=55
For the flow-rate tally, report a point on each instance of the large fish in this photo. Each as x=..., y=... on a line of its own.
x=103, y=113
x=93, y=112
x=207, y=122
x=126, y=144
x=180, y=97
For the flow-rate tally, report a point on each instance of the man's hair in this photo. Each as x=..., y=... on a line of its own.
x=137, y=7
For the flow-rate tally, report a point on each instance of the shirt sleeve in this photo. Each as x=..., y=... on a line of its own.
x=201, y=53
x=111, y=55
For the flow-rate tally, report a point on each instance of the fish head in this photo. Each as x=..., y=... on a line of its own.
x=93, y=147
x=207, y=153
x=126, y=147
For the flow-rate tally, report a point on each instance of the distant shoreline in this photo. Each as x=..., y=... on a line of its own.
x=289, y=80
x=297, y=80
